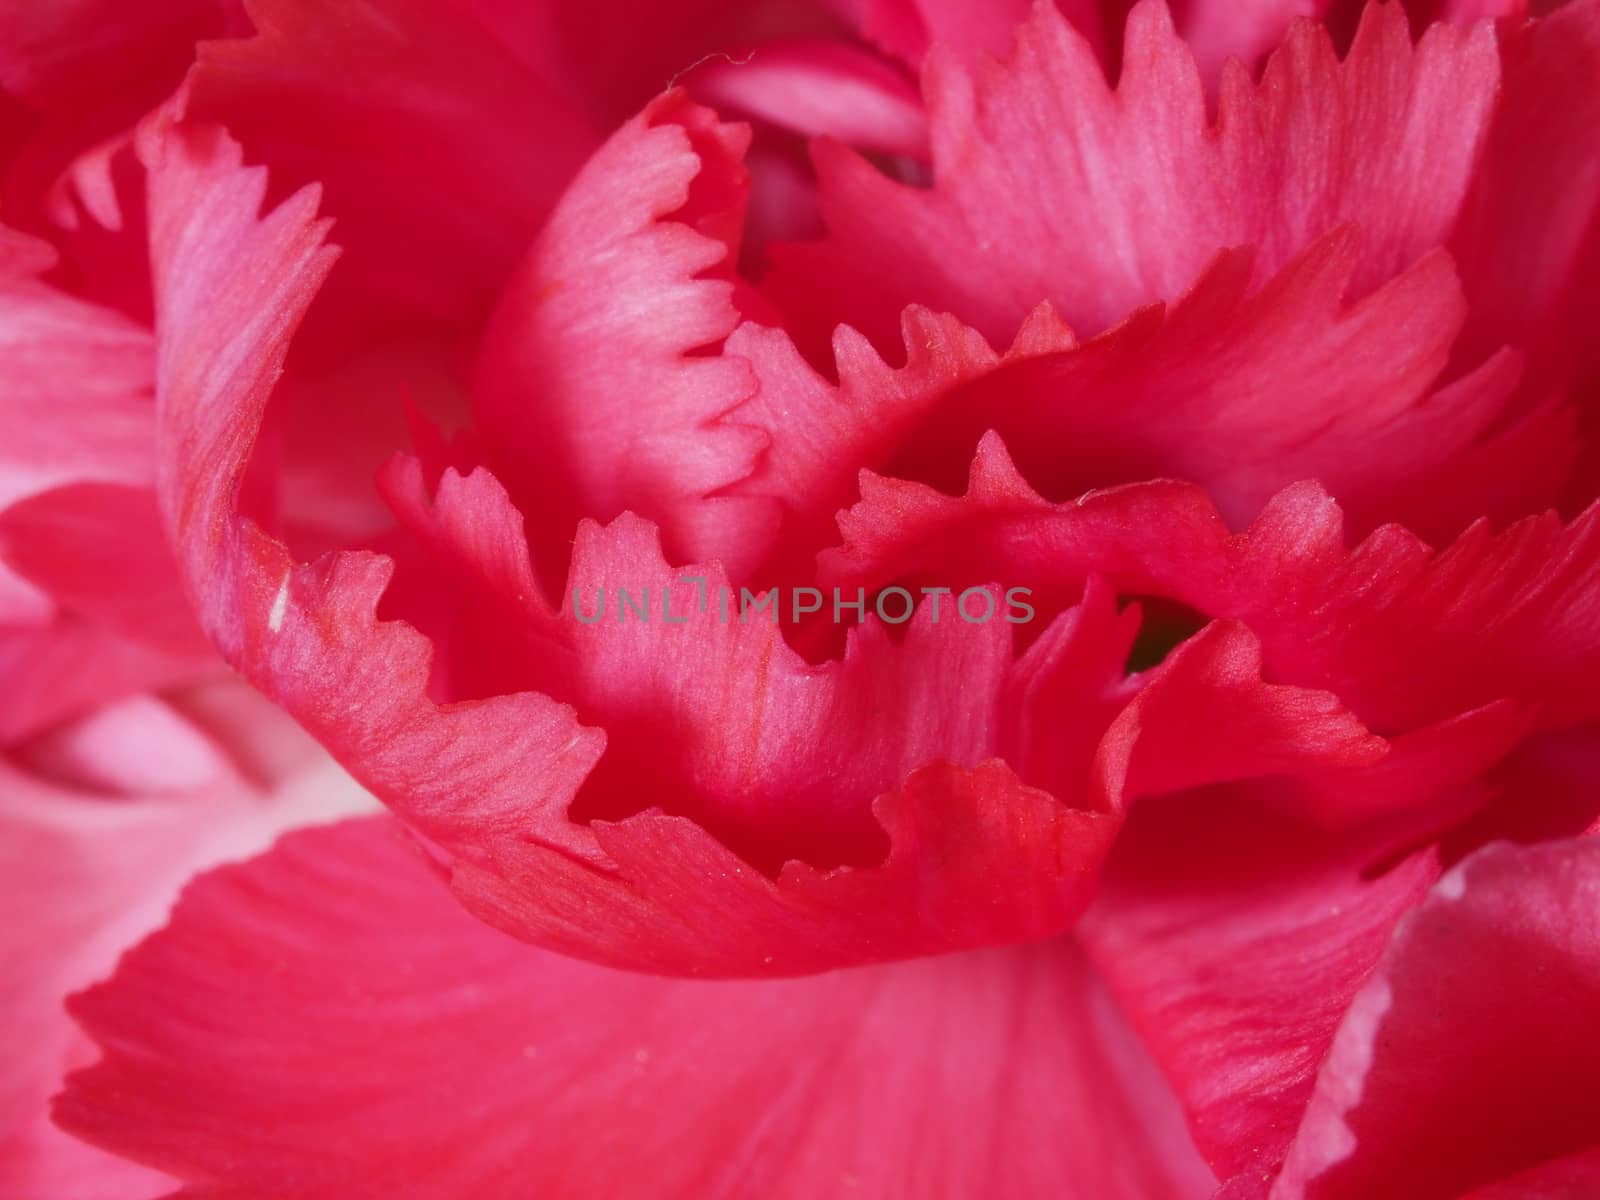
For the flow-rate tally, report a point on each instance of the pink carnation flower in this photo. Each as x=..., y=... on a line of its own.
x=1000, y=600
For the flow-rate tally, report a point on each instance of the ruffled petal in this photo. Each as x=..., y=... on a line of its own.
x=1471, y=1055
x=1404, y=635
x=1215, y=30
x=491, y=782
x=1244, y=394
x=82, y=73
x=1050, y=185
x=594, y=394
x=410, y=1052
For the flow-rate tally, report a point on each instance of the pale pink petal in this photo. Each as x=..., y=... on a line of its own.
x=86, y=876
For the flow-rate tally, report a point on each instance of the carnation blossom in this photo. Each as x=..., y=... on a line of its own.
x=1227, y=375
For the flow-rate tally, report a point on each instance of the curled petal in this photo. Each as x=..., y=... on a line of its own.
x=590, y=407
x=490, y=783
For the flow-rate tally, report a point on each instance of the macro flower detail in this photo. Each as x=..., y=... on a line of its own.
x=945, y=599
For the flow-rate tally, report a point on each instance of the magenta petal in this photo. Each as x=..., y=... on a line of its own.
x=1051, y=185
x=1471, y=1055
x=369, y=103
x=490, y=783
x=592, y=394
x=325, y=1022
x=1235, y=939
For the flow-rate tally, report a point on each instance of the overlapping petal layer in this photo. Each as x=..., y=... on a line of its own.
x=410, y=1048
x=1405, y=635
x=1243, y=394
x=367, y=96
x=491, y=782
x=1470, y=1056
x=1301, y=309
x=77, y=465
x=136, y=799
x=1051, y=185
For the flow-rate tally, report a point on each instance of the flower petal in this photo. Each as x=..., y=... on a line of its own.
x=410, y=1052
x=1471, y=1055
x=1244, y=394
x=590, y=407
x=1575, y=1177
x=1404, y=635
x=70, y=666
x=366, y=97
x=1235, y=939
x=1531, y=265
x=1050, y=185
x=490, y=782
x=92, y=874
x=77, y=543
x=78, y=379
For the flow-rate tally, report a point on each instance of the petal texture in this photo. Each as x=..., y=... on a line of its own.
x=1051, y=185
x=365, y=96
x=1470, y=1055
x=410, y=1052
x=90, y=868
x=492, y=782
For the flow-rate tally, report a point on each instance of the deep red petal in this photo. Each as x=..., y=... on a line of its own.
x=1575, y=1177
x=386, y=94
x=1532, y=266
x=408, y=1051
